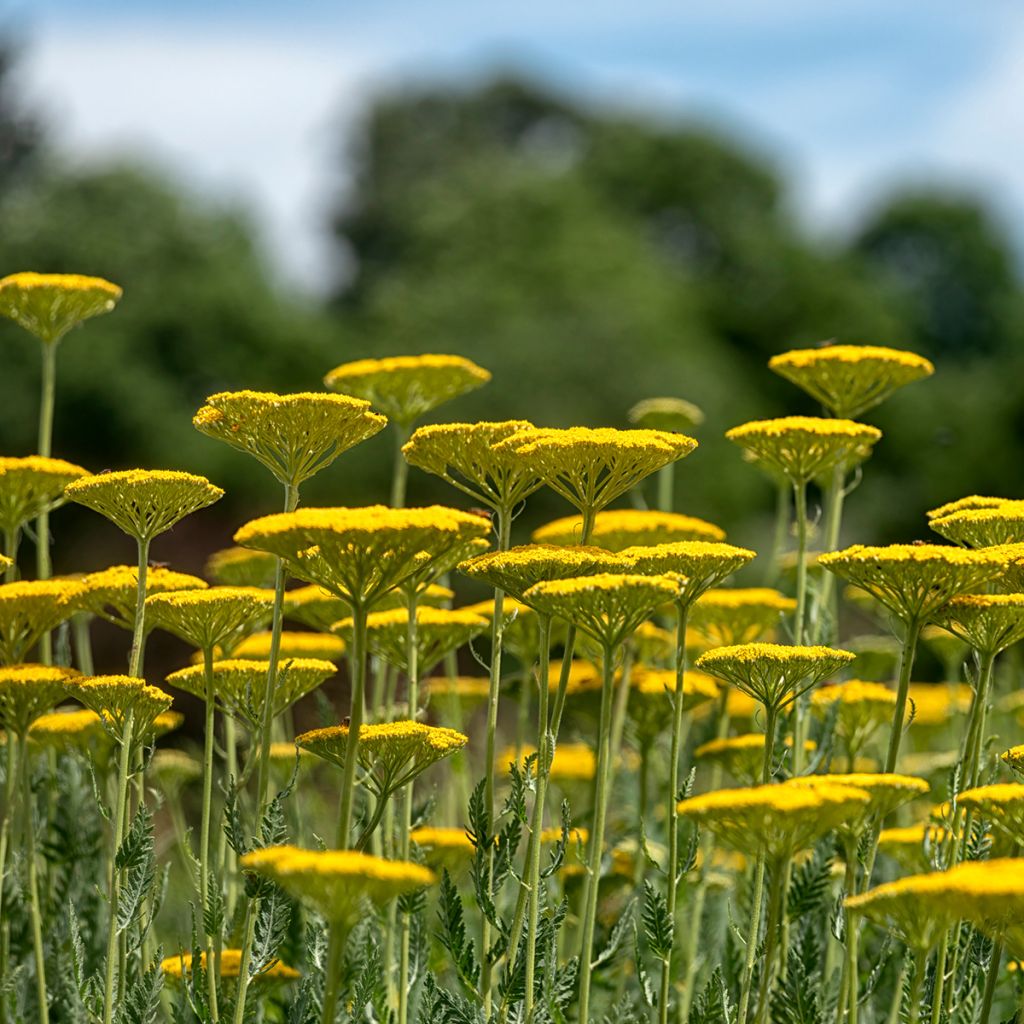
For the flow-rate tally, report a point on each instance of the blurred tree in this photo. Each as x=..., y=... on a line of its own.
x=20, y=131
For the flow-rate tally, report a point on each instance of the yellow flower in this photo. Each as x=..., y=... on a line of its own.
x=860, y=707
x=318, y=608
x=988, y=622
x=650, y=704
x=914, y=580
x=321, y=646
x=704, y=564
x=918, y=908
x=238, y=684
x=144, y=502
x=886, y=790
x=934, y=704
x=165, y=722
x=467, y=690
x=28, y=691
x=913, y=846
x=675, y=414
x=404, y=388
x=739, y=615
x=805, y=447
x=620, y=528
x=990, y=894
x=72, y=730
x=1001, y=803
x=31, y=484
x=229, y=964
x=972, y=501
x=1014, y=757
x=173, y=769
x=850, y=379
x=573, y=762
x=444, y=847
x=741, y=756
x=334, y=882
x=463, y=454
x=210, y=618
x=111, y=593
x=239, y=567
x=590, y=467
x=30, y=608
x=49, y=305
x=115, y=698
x=294, y=436
x=983, y=527
x=774, y=674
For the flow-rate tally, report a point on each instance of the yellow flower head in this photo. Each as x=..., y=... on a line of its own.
x=1001, y=803
x=439, y=632
x=774, y=674
x=321, y=646
x=573, y=762
x=618, y=528
x=988, y=622
x=805, y=447
x=28, y=691
x=465, y=456
x=850, y=379
x=334, y=882
x=361, y=553
x=404, y=388
x=741, y=756
x=444, y=847
x=1014, y=758
x=589, y=467
x=914, y=580
x=215, y=617
x=917, y=908
x=30, y=608
x=111, y=593
x=861, y=708
x=779, y=819
x=391, y=754
x=935, y=704
x=31, y=484
x=116, y=698
x=912, y=846
x=144, y=502
x=972, y=501
x=886, y=790
x=229, y=963
x=294, y=436
x=983, y=527
x=49, y=305
x=704, y=564
x=671, y=414
x=739, y=615
x=66, y=731
x=469, y=691
x=650, y=703
x=517, y=570
x=608, y=607
x=174, y=769
x=239, y=567
x=238, y=684
x=165, y=722
x=318, y=608
x=990, y=894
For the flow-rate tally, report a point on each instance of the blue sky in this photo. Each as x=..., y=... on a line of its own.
x=237, y=98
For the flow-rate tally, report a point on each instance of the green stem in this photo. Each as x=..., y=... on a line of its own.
x=776, y=898
x=400, y=468
x=906, y=665
x=621, y=706
x=139, y=623
x=49, y=389
x=33, y=880
x=825, y=605
x=356, y=714
x=852, y=939
x=920, y=963
x=975, y=739
x=894, y=1013
x=800, y=621
x=11, y=539
x=940, y=979
x=773, y=566
x=333, y=975
x=753, y=933
x=204, y=832
x=83, y=643
x=991, y=980
x=666, y=487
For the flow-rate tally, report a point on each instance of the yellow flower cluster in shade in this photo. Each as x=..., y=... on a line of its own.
x=983, y=527
x=701, y=564
x=886, y=790
x=443, y=847
x=777, y=820
x=318, y=608
x=238, y=684
x=912, y=845
x=517, y=570
x=804, y=447
x=1014, y=758
x=49, y=305
x=582, y=677
x=239, y=567
x=28, y=691
x=773, y=674
x=860, y=707
x=321, y=646
x=606, y=606
x=741, y=756
x=217, y=616
x=439, y=632
x=391, y=753
x=467, y=690
x=30, y=608
x=406, y=387
x=673, y=414
x=620, y=528
x=591, y=467
x=914, y=580
x=933, y=704
x=653, y=691
x=850, y=379
x=988, y=622
x=294, y=436
x=573, y=762
x=173, y=769
x=30, y=484
x=335, y=882
x=972, y=501
x=1001, y=803
x=111, y=593
x=144, y=502
x=229, y=964
x=67, y=730
x=465, y=456
x=115, y=698
x=359, y=554
x=741, y=615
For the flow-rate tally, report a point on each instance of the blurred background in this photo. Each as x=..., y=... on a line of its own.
x=597, y=202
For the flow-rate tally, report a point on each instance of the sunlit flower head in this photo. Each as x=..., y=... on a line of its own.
x=229, y=964
x=1014, y=757
x=1000, y=803
x=887, y=792
x=917, y=908
x=618, y=528
x=983, y=527
x=321, y=646
x=572, y=763
x=50, y=305
x=804, y=447
x=111, y=593
x=240, y=567
x=913, y=846
x=404, y=388
x=972, y=501
x=937, y=704
x=67, y=730
x=850, y=379
x=215, y=617
x=988, y=622
x=468, y=691
x=990, y=894
x=861, y=708
x=671, y=414
x=115, y=698
x=741, y=756
x=30, y=608
x=727, y=616
x=702, y=564
x=31, y=484
x=652, y=693
x=28, y=691
x=144, y=502
x=318, y=608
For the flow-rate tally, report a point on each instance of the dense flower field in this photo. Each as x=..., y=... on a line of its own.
x=657, y=795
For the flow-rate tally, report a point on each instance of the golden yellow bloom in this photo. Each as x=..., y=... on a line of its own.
x=914, y=580
x=439, y=632
x=467, y=690
x=741, y=756
x=850, y=379
x=805, y=447
x=444, y=847
x=216, y=617
x=229, y=963
x=650, y=703
x=165, y=722
x=917, y=908
x=30, y=608
x=988, y=622
x=934, y=704
x=703, y=564
x=1001, y=803
x=31, y=484
x=674, y=414
x=739, y=615
x=66, y=730
x=28, y=691
x=774, y=674
x=861, y=708
x=1014, y=757
x=334, y=882
x=111, y=593
x=239, y=567
x=238, y=684
x=990, y=894
x=49, y=305
x=615, y=529
x=318, y=608
x=983, y=527
x=590, y=467
x=886, y=790
x=294, y=436
x=972, y=501
x=404, y=388
x=144, y=502
x=115, y=698
x=573, y=762
x=912, y=845
x=321, y=646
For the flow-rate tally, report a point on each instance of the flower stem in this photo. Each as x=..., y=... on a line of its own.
x=355, y=724
x=204, y=830
x=49, y=388
x=773, y=566
x=400, y=468
x=800, y=620
x=753, y=933
x=138, y=626
x=666, y=487
x=920, y=962
x=333, y=972
x=776, y=904
x=11, y=538
x=825, y=604
x=83, y=643
x=991, y=980
x=913, y=631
